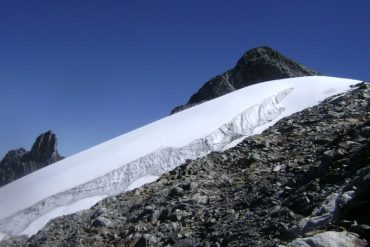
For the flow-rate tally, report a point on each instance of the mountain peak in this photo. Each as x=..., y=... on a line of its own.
x=18, y=163
x=261, y=51
x=45, y=147
x=256, y=65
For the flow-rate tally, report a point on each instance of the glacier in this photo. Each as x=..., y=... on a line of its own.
x=144, y=154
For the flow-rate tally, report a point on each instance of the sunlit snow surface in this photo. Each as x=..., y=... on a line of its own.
x=77, y=206
x=64, y=210
x=144, y=154
x=141, y=181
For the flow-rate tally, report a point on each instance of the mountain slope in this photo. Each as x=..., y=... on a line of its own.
x=302, y=182
x=256, y=65
x=18, y=163
x=112, y=167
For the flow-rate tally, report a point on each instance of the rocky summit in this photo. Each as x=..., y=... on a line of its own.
x=256, y=65
x=303, y=182
x=18, y=163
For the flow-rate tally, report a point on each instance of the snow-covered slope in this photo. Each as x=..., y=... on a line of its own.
x=144, y=154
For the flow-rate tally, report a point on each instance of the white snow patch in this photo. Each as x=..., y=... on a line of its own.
x=234, y=143
x=111, y=167
x=70, y=209
x=337, y=96
x=141, y=181
x=2, y=235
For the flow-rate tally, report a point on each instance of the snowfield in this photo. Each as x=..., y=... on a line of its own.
x=142, y=155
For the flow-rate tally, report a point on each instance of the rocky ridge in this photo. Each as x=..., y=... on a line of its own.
x=256, y=65
x=18, y=163
x=303, y=182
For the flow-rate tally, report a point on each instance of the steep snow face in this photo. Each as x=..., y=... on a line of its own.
x=144, y=154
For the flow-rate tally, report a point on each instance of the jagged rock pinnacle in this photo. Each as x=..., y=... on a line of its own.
x=45, y=147
x=18, y=163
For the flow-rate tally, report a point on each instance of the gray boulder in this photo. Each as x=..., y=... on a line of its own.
x=328, y=239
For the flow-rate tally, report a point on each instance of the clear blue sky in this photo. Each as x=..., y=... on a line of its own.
x=91, y=70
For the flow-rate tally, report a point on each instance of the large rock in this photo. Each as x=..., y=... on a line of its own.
x=328, y=239
x=257, y=65
x=18, y=163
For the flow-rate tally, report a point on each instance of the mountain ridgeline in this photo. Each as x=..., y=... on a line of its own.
x=255, y=66
x=19, y=162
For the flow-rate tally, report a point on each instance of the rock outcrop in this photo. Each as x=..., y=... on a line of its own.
x=303, y=182
x=18, y=163
x=256, y=65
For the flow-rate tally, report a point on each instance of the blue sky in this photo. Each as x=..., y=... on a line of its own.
x=91, y=70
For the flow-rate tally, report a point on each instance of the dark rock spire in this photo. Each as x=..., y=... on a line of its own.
x=18, y=163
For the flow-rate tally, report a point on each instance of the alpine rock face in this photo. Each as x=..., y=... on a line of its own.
x=255, y=66
x=18, y=163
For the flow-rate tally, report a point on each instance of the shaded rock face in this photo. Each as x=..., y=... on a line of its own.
x=18, y=163
x=45, y=149
x=302, y=182
x=257, y=65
